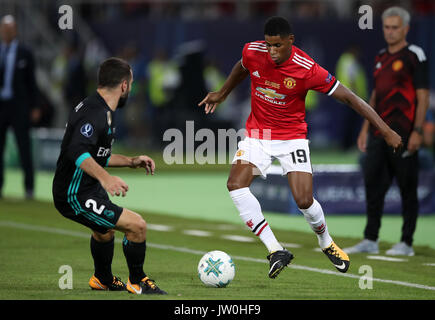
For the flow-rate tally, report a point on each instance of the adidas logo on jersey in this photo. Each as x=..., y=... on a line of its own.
x=255, y=73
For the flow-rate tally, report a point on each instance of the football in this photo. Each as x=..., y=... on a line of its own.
x=216, y=269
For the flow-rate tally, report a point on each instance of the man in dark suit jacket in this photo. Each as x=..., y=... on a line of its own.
x=17, y=98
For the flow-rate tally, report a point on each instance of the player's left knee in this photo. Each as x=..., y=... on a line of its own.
x=304, y=201
x=142, y=227
x=104, y=237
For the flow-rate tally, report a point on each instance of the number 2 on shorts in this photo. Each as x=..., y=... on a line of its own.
x=92, y=203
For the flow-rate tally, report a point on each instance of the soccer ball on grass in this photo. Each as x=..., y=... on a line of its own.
x=216, y=269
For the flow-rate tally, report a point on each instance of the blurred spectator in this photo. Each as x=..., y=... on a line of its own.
x=192, y=88
x=350, y=72
x=94, y=53
x=130, y=122
x=310, y=9
x=75, y=86
x=46, y=111
x=18, y=96
x=214, y=79
x=163, y=79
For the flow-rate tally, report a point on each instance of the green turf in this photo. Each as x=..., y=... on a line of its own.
x=33, y=249
x=203, y=195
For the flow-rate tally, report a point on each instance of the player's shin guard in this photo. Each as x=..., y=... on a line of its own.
x=102, y=253
x=250, y=212
x=134, y=253
x=316, y=219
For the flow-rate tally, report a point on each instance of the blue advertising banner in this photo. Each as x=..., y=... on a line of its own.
x=340, y=190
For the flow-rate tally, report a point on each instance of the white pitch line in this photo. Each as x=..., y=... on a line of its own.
x=382, y=258
x=237, y=238
x=290, y=245
x=159, y=227
x=85, y=235
x=197, y=233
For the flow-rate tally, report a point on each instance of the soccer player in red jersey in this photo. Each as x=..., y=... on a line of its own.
x=281, y=74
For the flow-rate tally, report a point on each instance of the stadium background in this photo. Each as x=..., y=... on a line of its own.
x=202, y=40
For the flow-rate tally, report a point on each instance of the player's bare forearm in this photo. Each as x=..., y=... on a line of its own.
x=346, y=96
x=112, y=184
x=119, y=160
x=92, y=168
x=142, y=161
x=366, y=123
x=237, y=75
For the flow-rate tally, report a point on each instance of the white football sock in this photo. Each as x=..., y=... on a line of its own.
x=316, y=219
x=250, y=212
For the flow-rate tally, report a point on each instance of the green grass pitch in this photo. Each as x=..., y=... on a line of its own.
x=35, y=241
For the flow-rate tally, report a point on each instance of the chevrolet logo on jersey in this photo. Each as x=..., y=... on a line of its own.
x=270, y=93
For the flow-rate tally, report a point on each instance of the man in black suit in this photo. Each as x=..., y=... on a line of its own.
x=17, y=98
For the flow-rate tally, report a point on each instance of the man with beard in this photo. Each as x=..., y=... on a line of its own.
x=81, y=183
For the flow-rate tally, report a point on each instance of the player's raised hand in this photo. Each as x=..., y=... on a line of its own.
x=115, y=186
x=393, y=140
x=211, y=101
x=144, y=162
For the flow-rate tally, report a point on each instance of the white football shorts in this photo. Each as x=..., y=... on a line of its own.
x=293, y=155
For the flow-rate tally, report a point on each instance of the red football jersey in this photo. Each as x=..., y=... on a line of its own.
x=278, y=92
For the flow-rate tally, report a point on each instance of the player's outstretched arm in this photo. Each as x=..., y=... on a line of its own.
x=112, y=184
x=237, y=75
x=346, y=96
x=142, y=161
x=363, y=134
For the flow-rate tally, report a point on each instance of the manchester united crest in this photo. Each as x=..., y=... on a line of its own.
x=397, y=65
x=289, y=83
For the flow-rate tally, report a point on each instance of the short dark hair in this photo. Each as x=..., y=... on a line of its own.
x=112, y=72
x=277, y=26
